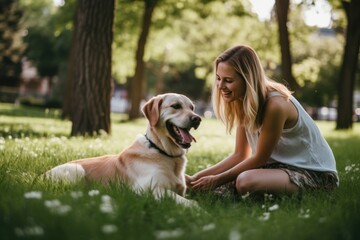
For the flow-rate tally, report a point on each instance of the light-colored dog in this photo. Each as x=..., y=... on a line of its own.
x=156, y=161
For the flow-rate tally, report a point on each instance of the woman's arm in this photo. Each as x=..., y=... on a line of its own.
x=242, y=151
x=275, y=116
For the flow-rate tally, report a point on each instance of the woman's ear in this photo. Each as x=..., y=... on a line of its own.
x=151, y=109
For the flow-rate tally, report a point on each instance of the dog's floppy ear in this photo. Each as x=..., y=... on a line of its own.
x=151, y=109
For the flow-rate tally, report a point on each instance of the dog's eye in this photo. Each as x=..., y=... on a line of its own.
x=176, y=106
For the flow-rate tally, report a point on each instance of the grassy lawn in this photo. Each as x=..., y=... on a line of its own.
x=34, y=140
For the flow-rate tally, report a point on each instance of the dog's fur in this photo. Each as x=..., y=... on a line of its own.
x=153, y=162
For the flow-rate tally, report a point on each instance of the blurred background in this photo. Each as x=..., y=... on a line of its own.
x=162, y=46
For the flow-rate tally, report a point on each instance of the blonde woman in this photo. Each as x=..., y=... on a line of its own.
x=278, y=148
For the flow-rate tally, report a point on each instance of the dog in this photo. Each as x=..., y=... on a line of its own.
x=155, y=161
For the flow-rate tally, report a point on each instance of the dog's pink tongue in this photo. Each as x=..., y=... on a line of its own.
x=186, y=136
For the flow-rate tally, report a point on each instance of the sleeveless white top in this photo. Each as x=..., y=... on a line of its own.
x=302, y=145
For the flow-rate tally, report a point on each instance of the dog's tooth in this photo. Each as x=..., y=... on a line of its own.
x=176, y=129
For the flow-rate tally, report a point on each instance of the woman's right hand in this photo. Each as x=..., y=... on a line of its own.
x=206, y=183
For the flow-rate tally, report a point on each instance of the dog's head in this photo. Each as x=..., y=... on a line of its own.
x=173, y=114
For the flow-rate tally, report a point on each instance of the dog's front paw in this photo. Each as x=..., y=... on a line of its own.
x=191, y=203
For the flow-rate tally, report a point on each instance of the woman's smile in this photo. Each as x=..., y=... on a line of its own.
x=226, y=94
x=229, y=82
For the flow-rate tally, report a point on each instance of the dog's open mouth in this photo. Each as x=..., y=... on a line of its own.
x=182, y=136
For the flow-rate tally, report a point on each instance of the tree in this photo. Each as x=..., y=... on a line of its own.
x=282, y=9
x=11, y=44
x=91, y=76
x=349, y=65
x=137, y=85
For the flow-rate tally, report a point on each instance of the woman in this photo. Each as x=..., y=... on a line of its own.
x=278, y=149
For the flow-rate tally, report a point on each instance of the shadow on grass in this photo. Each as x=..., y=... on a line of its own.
x=26, y=111
x=22, y=130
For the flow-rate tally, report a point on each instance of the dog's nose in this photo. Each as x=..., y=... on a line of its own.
x=195, y=120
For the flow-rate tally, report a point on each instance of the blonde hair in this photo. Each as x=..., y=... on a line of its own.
x=246, y=112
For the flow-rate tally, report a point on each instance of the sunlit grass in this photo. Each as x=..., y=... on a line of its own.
x=34, y=140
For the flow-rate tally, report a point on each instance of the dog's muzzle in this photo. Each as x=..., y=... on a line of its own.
x=182, y=136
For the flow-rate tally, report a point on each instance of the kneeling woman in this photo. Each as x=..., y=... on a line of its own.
x=279, y=149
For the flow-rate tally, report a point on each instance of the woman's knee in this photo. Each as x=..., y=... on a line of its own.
x=245, y=182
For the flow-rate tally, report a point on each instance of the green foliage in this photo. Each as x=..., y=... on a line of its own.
x=127, y=24
x=185, y=38
x=317, y=68
x=48, y=40
x=197, y=36
x=32, y=207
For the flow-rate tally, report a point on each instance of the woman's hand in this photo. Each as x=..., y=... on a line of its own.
x=188, y=180
x=206, y=183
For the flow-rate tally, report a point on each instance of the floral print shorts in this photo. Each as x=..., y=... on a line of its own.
x=307, y=179
x=303, y=178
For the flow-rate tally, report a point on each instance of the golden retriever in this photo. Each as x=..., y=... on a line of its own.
x=156, y=161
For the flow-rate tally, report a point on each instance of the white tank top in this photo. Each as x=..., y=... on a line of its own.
x=302, y=145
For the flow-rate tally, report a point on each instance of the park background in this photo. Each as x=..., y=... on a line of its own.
x=73, y=75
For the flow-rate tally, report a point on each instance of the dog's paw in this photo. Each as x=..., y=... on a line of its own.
x=68, y=172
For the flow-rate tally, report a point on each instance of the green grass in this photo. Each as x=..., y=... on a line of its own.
x=33, y=140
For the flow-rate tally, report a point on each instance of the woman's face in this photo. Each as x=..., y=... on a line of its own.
x=229, y=83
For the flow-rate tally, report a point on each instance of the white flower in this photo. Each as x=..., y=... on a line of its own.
x=62, y=210
x=268, y=196
x=106, y=198
x=162, y=234
x=209, y=227
x=348, y=168
x=56, y=207
x=245, y=195
x=234, y=235
x=351, y=168
x=93, y=193
x=52, y=203
x=265, y=216
x=33, y=195
x=109, y=228
x=96, y=144
x=274, y=207
x=76, y=195
x=29, y=231
x=304, y=213
x=106, y=206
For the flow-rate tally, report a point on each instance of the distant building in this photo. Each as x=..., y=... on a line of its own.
x=33, y=89
x=119, y=100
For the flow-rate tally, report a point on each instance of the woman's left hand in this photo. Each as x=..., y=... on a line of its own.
x=188, y=180
x=206, y=183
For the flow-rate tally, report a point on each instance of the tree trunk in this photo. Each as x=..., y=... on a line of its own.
x=282, y=9
x=349, y=65
x=92, y=67
x=137, y=86
x=69, y=82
